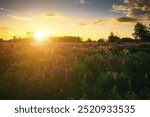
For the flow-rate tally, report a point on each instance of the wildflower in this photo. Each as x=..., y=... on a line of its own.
x=146, y=76
x=125, y=51
x=115, y=74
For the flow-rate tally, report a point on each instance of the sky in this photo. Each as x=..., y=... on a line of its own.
x=85, y=18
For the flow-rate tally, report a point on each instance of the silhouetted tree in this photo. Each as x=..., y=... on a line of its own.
x=101, y=40
x=66, y=39
x=15, y=37
x=1, y=40
x=29, y=34
x=149, y=31
x=113, y=38
x=141, y=32
x=127, y=39
x=89, y=40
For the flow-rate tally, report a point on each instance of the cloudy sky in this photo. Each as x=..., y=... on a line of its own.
x=86, y=18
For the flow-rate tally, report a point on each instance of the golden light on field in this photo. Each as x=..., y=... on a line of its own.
x=42, y=34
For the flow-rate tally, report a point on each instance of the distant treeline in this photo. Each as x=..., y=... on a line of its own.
x=112, y=38
x=141, y=34
x=66, y=39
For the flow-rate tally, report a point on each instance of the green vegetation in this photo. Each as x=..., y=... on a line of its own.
x=68, y=68
x=74, y=70
x=142, y=32
x=113, y=38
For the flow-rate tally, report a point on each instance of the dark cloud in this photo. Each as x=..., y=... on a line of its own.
x=54, y=15
x=83, y=24
x=134, y=8
x=98, y=22
x=94, y=23
x=126, y=20
x=49, y=14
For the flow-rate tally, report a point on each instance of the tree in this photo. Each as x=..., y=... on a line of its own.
x=101, y=40
x=113, y=38
x=141, y=32
x=66, y=39
x=1, y=40
x=14, y=37
x=89, y=40
x=29, y=35
x=127, y=39
x=149, y=31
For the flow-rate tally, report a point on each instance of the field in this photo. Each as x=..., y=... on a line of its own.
x=30, y=70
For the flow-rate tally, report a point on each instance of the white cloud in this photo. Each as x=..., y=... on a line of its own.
x=20, y=18
x=6, y=10
x=94, y=23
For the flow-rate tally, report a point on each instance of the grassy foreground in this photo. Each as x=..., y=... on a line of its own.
x=74, y=71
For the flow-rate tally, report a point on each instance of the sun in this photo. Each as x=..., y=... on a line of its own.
x=42, y=34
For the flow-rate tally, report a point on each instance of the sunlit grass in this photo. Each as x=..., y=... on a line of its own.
x=74, y=71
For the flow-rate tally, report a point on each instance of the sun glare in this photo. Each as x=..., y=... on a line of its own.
x=42, y=35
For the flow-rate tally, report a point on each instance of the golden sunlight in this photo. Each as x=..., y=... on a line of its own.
x=42, y=34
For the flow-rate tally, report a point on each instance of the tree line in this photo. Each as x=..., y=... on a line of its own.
x=141, y=34
x=66, y=39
